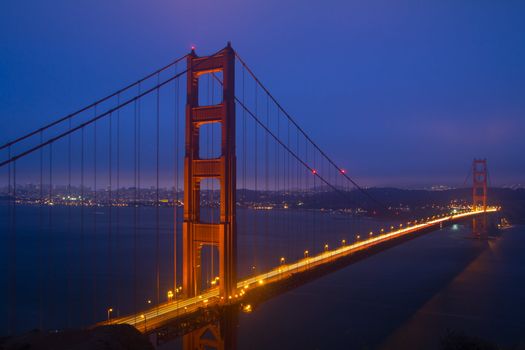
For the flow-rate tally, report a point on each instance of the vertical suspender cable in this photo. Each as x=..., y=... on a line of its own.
x=83, y=256
x=289, y=232
x=267, y=184
x=157, y=223
x=310, y=199
x=50, y=221
x=277, y=225
x=176, y=186
x=135, y=209
x=40, y=235
x=285, y=223
x=95, y=206
x=117, y=199
x=67, y=236
x=245, y=209
x=212, y=250
x=315, y=203
x=298, y=186
x=255, y=226
x=139, y=204
x=14, y=249
x=10, y=206
x=110, y=281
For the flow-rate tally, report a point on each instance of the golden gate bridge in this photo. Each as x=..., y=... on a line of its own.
x=201, y=213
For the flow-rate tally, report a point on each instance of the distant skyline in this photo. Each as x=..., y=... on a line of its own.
x=401, y=93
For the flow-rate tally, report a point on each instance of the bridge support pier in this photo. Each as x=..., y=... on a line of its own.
x=220, y=335
x=197, y=233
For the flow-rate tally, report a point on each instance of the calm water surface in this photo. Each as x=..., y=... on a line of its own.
x=68, y=272
x=404, y=298
x=63, y=267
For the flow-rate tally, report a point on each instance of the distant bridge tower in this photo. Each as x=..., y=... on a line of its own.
x=196, y=233
x=479, y=196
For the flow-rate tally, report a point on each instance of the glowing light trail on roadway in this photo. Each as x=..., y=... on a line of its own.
x=156, y=316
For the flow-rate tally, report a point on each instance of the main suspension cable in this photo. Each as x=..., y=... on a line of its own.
x=108, y=112
x=356, y=185
x=71, y=115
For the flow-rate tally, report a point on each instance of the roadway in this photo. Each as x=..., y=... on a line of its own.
x=161, y=314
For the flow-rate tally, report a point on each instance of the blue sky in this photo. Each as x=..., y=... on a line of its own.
x=400, y=92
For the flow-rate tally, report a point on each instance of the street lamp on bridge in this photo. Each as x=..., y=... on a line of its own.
x=110, y=310
x=145, y=324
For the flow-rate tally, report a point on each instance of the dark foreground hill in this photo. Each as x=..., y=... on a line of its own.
x=118, y=337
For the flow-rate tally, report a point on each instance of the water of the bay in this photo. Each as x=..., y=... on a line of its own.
x=68, y=274
x=408, y=297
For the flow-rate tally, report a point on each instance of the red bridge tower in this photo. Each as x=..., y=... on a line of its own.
x=196, y=233
x=479, y=197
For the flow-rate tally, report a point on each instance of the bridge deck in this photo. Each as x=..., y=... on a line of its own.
x=163, y=313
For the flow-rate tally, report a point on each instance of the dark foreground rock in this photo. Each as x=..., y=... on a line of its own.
x=118, y=337
x=454, y=340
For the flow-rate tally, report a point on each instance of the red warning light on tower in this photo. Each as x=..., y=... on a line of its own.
x=314, y=171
